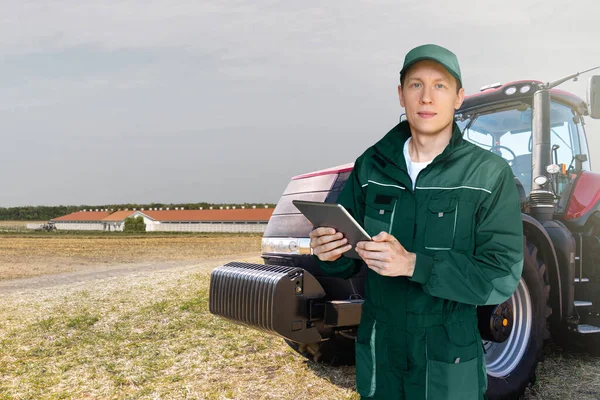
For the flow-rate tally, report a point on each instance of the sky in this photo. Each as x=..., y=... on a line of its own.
x=224, y=101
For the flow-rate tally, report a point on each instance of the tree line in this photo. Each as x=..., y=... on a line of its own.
x=45, y=213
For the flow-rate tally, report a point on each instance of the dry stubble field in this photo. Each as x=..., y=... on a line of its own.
x=40, y=253
x=148, y=334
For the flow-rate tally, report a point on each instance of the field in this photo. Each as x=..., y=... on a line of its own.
x=40, y=253
x=126, y=317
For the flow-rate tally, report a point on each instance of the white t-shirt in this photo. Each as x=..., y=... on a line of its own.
x=413, y=167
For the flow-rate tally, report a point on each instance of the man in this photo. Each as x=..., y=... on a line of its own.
x=447, y=224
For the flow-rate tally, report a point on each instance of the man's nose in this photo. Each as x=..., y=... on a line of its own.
x=426, y=95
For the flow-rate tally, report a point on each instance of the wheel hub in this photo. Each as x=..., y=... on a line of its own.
x=496, y=322
x=501, y=322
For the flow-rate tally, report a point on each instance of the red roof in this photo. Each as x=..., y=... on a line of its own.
x=118, y=216
x=239, y=214
x=231, y=215
x=84, y=216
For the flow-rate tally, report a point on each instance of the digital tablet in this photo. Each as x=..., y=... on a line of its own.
x=333, y=215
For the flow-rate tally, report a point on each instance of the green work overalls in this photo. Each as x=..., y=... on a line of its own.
x=418, y=336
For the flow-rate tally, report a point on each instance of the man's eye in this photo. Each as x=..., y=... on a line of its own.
x=416, y=85
x=440, y=86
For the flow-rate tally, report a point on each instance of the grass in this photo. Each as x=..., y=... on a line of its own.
x=151, y=336
x=148, y=337
x=566, y=375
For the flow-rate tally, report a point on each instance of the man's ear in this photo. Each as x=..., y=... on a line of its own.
x=460, y=98
x=401, y=95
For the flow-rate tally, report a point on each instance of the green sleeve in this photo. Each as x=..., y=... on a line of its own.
x=352, y=197
x=492, y=273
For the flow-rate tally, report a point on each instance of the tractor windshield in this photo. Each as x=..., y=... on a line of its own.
x=507, y=132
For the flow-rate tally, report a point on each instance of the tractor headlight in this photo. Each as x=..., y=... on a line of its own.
x=541, y=180
x=525, y=89
x=553, y=169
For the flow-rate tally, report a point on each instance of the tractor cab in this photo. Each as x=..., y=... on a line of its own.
x=500, y=120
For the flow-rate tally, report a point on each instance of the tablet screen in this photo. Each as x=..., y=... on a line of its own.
x=335, y=216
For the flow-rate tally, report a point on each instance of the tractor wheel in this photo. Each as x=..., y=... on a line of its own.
x=511, y=365
x=336, y=351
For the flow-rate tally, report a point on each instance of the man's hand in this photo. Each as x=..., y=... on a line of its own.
x=328, y=244
x=386, y=256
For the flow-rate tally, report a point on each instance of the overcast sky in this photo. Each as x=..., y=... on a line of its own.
x=223, y=101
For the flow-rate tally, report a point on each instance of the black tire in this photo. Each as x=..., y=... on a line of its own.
x=536, y=280
x=338, y=350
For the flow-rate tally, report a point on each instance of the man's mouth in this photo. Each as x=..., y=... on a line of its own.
x=426, y=114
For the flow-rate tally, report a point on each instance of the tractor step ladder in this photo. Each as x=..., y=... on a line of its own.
x=586, y=329
x=590, y=317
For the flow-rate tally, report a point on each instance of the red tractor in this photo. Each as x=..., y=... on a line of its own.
x=540, y=131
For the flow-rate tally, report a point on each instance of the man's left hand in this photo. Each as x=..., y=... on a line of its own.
x=386, y=256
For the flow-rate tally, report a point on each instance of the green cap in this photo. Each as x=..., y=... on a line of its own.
x=435, y=53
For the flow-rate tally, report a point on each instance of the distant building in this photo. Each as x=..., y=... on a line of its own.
x=233, y=220
x=82, y=221
x=116, y=220
x=228, y=220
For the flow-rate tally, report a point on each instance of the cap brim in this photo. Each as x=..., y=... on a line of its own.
x=416, y=60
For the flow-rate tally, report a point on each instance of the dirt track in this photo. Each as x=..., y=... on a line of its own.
x=98, y=273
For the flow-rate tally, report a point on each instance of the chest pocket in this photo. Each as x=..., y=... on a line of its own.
x=380, y=210
x=449, y=225
x=440, y=228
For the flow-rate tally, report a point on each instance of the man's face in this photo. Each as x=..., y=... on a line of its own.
x=429, y=97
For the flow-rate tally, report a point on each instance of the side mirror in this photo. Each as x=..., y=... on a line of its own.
x=594, y=96
x=579, y=160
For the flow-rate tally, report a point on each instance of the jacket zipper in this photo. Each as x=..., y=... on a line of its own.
x=403, y=168
x=424, y=169
x=373, y=360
